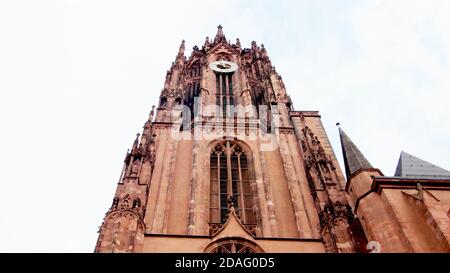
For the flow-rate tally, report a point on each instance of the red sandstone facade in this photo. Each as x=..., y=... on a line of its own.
x=227, y=165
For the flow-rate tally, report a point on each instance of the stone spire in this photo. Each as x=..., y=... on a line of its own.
x=219, y=36
x=354, y=160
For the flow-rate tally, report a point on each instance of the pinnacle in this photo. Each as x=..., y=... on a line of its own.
x=219, y=36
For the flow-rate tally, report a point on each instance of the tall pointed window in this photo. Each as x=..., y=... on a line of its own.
x=224, y=93
x=229, y=174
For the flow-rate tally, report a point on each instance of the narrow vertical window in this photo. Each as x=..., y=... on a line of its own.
x=217, y=84
x=224, y=106
x=214, y=210
x=230, y=84
x=247, y=196
x=223, y=187
x=224, y=89
x=224, y=84
x=218, y=94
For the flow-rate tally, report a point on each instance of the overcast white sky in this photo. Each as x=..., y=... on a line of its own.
x=78, y=79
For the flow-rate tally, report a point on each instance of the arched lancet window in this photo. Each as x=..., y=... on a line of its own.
x=163, y=102
x=225, y=93
x=194, y=70
x=229, y=177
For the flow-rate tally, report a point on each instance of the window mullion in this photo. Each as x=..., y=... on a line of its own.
x=241, y=192
x=229, y=184
x=219, y=75
x=218, y=185
x=233, y=248
x=227, y=94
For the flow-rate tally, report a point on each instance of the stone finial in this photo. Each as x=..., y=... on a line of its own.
x=152, y=114
x=136, y=141
x=238, y=42
x=232, y=201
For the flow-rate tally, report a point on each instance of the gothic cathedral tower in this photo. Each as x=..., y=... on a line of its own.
x=227, y=165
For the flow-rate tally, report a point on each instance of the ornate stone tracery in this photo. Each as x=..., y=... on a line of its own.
x=230, y=183
x=233, y=245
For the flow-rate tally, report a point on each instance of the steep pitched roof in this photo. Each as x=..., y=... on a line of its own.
x=413, y=167
x=354, y=160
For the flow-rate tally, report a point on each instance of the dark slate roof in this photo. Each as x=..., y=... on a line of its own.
x=413, y=167
x=353, y=158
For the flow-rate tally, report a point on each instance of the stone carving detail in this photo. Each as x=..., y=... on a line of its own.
x=135, y=167
x=337, y=220
x=251, y=229
x=272, y=98
x=115, y=203
x=284, y=98
x=286, y=131
x=121, y=231
x=232, y=201
x=233, y=246
x=315, y=156
x=136, y=203
x=172, y=93
x=123, y=204
x=214, y=228
x=333, y=211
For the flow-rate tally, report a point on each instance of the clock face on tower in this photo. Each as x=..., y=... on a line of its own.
x=223, y=66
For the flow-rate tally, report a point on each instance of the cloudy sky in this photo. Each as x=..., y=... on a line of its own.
x=78, y=79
